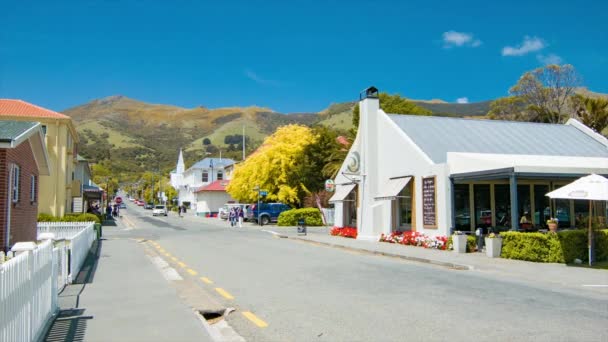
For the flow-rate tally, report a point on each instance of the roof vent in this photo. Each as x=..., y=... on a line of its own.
x=369, y=93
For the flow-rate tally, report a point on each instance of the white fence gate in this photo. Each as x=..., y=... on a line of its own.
x=79, y=248
x=62, y=230
x=27, y=294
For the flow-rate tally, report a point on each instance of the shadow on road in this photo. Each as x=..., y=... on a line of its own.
x=70, y=324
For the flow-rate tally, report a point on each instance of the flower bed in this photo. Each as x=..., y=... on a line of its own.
x=349, y=232
x=416, y=239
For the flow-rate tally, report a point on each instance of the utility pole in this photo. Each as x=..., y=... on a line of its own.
x=243, y=141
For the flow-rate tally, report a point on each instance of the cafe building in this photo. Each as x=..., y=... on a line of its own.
x=436, y=175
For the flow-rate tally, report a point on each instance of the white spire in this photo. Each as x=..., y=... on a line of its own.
x=180, y=163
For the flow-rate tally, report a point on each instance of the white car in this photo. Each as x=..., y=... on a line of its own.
x=159, y=210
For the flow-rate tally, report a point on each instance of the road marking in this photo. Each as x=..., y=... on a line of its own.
x=167, y=254
x=181, y=264
x=206, y=280
x=224, y=293
x=158, y=247
x=250, y=316
x=192, y=272
x=174, y=259
x=162, y=250
x=593, y=285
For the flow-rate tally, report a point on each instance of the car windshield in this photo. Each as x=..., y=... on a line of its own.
x=160, y=207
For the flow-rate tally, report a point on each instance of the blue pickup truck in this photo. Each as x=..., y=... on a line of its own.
x=267, y=212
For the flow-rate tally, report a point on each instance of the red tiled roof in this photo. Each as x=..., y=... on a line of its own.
x=9, y=107
x=218, y=185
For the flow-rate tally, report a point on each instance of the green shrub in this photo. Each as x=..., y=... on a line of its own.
x=42, y=217
x=86, y=217
x=312, y=217
x=562, y=247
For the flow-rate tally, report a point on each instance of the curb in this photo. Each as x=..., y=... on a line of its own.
x=392, y=255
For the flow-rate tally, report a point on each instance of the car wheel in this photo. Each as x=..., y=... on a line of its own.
x=265, y=220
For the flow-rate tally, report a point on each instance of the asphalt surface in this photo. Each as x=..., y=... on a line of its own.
x=305, y=292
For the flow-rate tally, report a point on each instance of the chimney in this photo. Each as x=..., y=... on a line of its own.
x=369, y=105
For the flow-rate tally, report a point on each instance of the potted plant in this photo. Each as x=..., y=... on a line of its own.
x=493, y=245
x=552, y=223
x=459, y=241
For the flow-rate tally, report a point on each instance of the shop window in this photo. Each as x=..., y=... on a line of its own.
x=402, y=208
x=462, y=211
x=524, y=206
x=542, y=206
x=502, y=205
x=350, y=206
x=483, y=212
x=581, y=213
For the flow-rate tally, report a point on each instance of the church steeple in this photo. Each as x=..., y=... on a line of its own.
x=180, y=163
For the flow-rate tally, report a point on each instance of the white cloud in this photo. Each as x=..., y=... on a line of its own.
x=550, y=59
x=462, y=100
x=453, y=38
x=256, y=78
x=530, y=44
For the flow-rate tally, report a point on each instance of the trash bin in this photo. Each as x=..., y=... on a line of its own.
x=301, y=227
x=98, y=230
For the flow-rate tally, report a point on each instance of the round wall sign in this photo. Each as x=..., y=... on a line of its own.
x=330, y=186
x=352, y=163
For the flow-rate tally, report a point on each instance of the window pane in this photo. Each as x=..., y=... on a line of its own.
x=524, y=206
x=461, y=207
x=502, y=198
x=542, y=208
x=483, y=213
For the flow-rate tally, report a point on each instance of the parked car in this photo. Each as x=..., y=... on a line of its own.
x=122, y=205
x=140, y=203
x=149, y=205
x=159, y=210
x=267, y=212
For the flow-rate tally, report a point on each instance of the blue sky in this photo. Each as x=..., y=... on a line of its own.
x=291, y=56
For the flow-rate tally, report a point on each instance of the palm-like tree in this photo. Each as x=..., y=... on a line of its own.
x=593, y=112
x=335, y=160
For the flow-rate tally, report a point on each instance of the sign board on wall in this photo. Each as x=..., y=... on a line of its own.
x=77, y=205
x=429, y=201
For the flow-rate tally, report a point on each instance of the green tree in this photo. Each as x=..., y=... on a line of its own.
x=593, y=112
x=547, y=92
x=393, y=104
x=511, y=108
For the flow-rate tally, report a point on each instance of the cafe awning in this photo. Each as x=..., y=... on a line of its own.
x=342, y=191
x=392, y=187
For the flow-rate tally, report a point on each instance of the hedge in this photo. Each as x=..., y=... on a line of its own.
x=563, y=247
x=312, y=217
x=86, y=217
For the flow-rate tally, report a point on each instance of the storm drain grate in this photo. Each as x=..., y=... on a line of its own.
x=214, y=316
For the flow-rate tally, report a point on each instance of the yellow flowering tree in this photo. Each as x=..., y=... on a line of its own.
x=276, y=167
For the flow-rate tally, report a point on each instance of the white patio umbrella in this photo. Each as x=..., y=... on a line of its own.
x=591, y=188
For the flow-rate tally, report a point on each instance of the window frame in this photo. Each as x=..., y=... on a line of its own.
x=205, y=176
x=33, y=192
x=15, y=182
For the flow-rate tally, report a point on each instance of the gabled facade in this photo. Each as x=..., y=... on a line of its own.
x=61, y=140
x=23, y=160
x=210, y=198
x=202, y=173
x=436, y=175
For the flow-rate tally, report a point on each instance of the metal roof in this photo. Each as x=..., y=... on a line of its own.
x=11, y=130
x=437, y=136
x=217, y=162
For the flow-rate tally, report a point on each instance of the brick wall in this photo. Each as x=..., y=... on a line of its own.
x=3, y=197
x=24, y=213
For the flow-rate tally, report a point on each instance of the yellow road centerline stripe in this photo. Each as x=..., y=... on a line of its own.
x=206, y=280
x=167, y=254
x=162, y=250
x=224, y=293
x=192, y=272
x=181, y=264
x=174, y=259
x=250, y=316
x=158, y=247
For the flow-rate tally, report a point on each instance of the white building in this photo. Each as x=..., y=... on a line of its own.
x=436, y=174
x=211, y=197
x=201, y=174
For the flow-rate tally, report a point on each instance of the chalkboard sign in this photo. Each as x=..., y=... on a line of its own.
x=429, y=199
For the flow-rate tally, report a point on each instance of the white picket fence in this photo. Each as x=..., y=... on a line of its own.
x=79, y=248
x=62, y=230
x=27, y=294
x=31, y=281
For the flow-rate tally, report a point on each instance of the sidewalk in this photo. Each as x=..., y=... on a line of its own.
x=120, y=296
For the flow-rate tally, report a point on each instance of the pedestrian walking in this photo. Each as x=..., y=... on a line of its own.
x=179, y=211
x=240, y=215
x=232, y=216
x=109, y=211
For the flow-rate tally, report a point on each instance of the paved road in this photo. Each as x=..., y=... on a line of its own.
x=305, y=292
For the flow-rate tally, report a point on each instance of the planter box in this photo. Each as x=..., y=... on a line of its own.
x=493, y=247
x=459, y=243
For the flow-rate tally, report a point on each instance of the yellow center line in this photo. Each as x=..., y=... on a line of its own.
x=206, y=280
x=174, y=259
x=182, y=264
x=162, y=250
x=224, y=293
x=192, y=272
x=158, y=247
x=167, y=254
x=250, y=316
